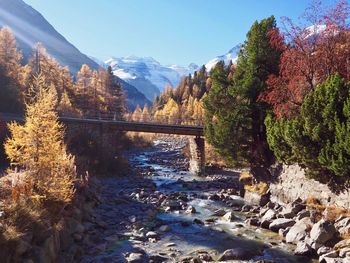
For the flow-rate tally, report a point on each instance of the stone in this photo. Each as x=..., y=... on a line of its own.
x=322, y=231
x=343, y=226
x=164, y=228
x=329, y=257
x=157, y=259
x=342, y=244
x=267, y=218
x=190, y=210
x=302, y=214
x=151, y=234
x=246, y=208
x=281, y=223
x=256, y=199
x=323, y=250
x=299, y=231
x=283, y=232
x=214, y=197
x=205, y=257
x=219, y=212
x=198, y=221
x=303, y=249
x=236, y=254
x=254, y=221
x=344, y=252
x=137, y=258
x=229, y=217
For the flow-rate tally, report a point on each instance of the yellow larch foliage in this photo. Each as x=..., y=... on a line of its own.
x=37, y=147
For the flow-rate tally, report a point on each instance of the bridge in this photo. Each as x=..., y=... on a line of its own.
x=150, y=125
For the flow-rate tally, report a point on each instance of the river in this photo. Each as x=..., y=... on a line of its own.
x=166, y=214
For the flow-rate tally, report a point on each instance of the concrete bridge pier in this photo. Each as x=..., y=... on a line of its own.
x=197, y=151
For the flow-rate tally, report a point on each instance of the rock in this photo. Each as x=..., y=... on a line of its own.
x=267, y=218
x=214, y=197
x=190, y=210
x=229, y=217
x=237, y=254
x=219, y=212
x=302, y=214
x=269, y=215
x=164, y=228
x=151, y=234
x=254, y=221
x=298, y=231
x=329, y=257
x=246, y=208
x=323, y=250
x=256, y=199
x=198, y=221
x=205, y=257
x=344, y=252
x=137, y=258
x=158, y=259
x=283, y=232
x=303, y=249
x=343, y=226
x=322, y=231
x=281, y=223
x=342, y=244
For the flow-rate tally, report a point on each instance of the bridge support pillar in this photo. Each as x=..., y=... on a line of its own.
x=197, y=150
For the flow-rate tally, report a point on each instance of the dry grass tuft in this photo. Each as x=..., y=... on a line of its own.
x=259, y=188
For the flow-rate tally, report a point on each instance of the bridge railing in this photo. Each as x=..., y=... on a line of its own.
x=137, y=118
x=111, y=116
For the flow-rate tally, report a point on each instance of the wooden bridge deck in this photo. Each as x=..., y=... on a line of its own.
x=120, y=125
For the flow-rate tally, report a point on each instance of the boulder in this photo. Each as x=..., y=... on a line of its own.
x=267, y=218
x=254, y=221
x=343, y=226
x=299, y=231
x=137, y=258
x=229, y=217
x=303, y=249
x=302, y=214
x=151, y=234
x=281, y=223
x=219, y=212
x=190, y=210
x=322, y=231
x=323, y=250
x=256, y=199
x=237, y=254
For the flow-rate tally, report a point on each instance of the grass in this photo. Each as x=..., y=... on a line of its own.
x=259, y=188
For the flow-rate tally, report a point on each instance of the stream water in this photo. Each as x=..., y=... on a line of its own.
x=188, y=238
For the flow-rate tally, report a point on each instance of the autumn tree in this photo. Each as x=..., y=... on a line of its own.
x=37, y=147
x=312, y=50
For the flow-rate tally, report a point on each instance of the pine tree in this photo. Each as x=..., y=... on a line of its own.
x=235, y=117
x=38, y=148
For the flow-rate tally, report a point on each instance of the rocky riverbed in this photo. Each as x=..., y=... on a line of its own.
x=162, y=213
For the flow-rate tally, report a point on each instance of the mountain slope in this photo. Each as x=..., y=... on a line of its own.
x=147, y=74
x=30, y=27
x=231, y=55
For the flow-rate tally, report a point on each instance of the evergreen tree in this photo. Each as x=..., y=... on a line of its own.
x=235, y=117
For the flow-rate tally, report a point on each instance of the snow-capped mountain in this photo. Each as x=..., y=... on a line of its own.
x=231, y=55
x=147, y=74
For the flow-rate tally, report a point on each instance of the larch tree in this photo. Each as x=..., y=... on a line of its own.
x=37, y=147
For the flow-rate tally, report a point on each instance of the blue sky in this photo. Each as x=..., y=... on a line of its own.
x=171, y=31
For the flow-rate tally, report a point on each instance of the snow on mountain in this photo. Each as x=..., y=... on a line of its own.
x=147, y=74
x=231, y=55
